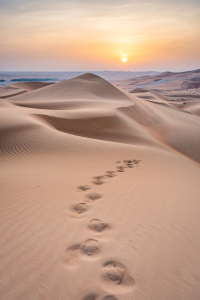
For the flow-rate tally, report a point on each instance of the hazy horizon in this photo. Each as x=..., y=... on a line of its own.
x=81, y=35
x=88, y=71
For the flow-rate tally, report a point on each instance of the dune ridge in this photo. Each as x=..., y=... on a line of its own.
x=99, y=194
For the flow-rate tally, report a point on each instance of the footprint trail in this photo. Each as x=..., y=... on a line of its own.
x=114, y=276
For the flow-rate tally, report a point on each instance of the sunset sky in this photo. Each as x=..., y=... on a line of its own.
x=79, y=35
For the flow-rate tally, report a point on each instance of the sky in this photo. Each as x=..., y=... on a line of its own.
x=89, y=35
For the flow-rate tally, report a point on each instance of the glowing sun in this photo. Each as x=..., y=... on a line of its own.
x=124, y=59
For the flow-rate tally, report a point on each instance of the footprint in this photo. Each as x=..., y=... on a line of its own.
x=115, y=278
x=93, y=197
x=91, y=297
x=115, y=273
x=97, y=226
x=120, y=169
x=83, y=188
x=98, y=182
x=99, y=177
x=136, y=161
x=130, y=165
x=128, y=161
x=110, y=174
x=109, y=297
x=79, y=210
x=90, y=250
x=118, y=162
x=72, y=256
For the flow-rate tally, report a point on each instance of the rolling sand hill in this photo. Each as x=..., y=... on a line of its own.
x=20, y=88
x=165, y=82
x=99, y=194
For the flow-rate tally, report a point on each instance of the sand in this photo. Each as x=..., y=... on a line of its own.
x=99, y=194
x=167, y=82
x=20, y=88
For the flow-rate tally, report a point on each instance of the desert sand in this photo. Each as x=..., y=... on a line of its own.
x=100, y=193
x=166, y=82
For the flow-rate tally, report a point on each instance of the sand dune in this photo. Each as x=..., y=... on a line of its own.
x=99, y=193
x=30, y=86
x=191, y=83
x=165, y=82
x=20, y=88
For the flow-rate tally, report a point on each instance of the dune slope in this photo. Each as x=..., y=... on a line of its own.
x=99, y=194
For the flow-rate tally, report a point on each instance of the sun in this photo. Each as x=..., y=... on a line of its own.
x=124, y=59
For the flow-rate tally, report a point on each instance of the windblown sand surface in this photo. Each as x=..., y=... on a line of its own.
x=100, y=194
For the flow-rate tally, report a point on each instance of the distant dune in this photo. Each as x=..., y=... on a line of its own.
x=20, y=88
x=192, y=83
x=164, y=82
x=99, y=191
